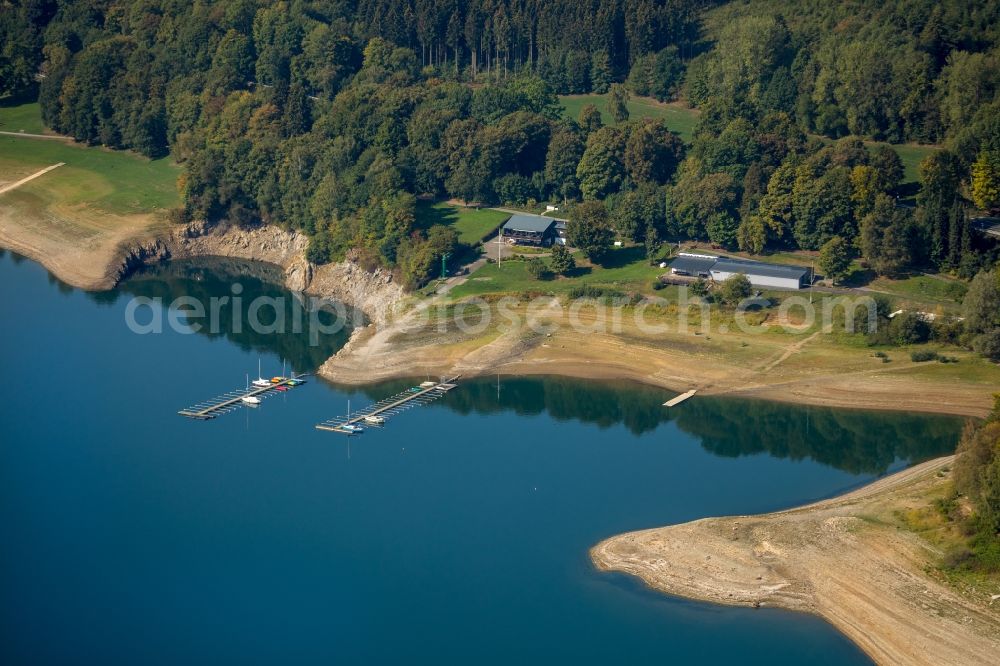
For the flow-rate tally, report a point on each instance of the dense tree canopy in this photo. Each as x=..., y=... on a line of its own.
x=333, y=117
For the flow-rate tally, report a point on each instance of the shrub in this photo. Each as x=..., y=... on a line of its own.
x=537, y=268
x=734, y=289
x=699, y=287
x=947, y=332
x=908, y=328
x=590, y=291
x=988, y=344
x=923, y=355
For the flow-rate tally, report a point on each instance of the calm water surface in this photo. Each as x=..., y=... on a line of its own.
x=459, y=534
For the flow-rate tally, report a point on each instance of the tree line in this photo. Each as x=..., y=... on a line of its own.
x=332, y=117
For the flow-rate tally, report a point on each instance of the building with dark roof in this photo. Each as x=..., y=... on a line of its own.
x=693, y=265
x=561, y=233
x=529, y=230
x=759, y=273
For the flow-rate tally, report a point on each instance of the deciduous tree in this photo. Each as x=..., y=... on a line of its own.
x=589, y=230
x=835, y=258
x=618, y=102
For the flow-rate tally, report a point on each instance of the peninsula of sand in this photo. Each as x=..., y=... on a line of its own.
x=847, y=559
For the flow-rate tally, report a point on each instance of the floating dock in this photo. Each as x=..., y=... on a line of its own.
x=227, y=402
x=679, y=399
x=412, y=397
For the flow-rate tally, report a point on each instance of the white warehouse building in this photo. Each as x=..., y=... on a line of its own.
x=760, y=274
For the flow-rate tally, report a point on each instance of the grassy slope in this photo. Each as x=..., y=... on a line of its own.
x=911, y=154
x=680, y=119
x=113, y=182
x=472, y=225
x=22, y=118
x=73, y=219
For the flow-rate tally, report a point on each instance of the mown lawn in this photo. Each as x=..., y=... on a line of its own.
x=21, y=118
x=679, y=119
x=472, y=225
x=923, y=288
x=625, y=270
x=115, y=182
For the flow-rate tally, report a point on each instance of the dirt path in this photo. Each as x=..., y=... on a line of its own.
x=57, y=137
x=845, y=559
x=792, y=349
x=11, y=186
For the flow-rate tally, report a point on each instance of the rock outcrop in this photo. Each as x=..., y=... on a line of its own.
x=374, y=293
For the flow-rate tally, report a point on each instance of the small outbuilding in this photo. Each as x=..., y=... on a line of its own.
x=530, y=230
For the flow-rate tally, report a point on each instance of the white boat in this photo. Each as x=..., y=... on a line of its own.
x=260, y=382
x=375, y=420
x=250, y=400
x=427, y=384
x=351, y=428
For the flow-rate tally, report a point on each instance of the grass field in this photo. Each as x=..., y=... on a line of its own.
x=626, y=270
x=21, y=118
x=75, y=218
x=472, y=224
x=114, y=182
x=679, y=119
x=911, y=154
x=923, y=289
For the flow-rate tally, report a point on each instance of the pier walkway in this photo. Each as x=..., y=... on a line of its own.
x=383, y=409
x=227, y=402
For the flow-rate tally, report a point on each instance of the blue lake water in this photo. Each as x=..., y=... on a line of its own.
x=458, y=534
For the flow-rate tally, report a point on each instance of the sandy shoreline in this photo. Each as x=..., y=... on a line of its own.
x=843, y=559
x=790, y=371
x=400, y=346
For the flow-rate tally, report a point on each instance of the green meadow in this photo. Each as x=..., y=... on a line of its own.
x=21, y=118
x=472, y=224
x=113, y=181
x=626, y=269
x=679, y=119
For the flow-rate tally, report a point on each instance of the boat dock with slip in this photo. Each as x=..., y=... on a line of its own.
x=249, y=397
x=376, y=415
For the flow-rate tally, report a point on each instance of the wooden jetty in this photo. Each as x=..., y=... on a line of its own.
x=679, y=399
x=227, y=402
x=413, y=397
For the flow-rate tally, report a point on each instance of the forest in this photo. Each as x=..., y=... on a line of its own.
x=334, y=117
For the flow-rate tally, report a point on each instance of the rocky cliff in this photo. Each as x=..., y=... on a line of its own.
x=375, y=293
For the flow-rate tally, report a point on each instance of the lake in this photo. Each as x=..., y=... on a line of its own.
x=457, y=534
